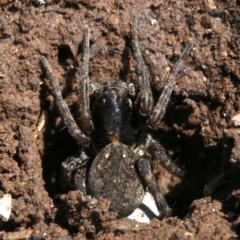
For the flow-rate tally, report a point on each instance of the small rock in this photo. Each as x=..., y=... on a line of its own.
x=236, y=120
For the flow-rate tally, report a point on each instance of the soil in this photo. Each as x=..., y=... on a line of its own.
x=200, y=130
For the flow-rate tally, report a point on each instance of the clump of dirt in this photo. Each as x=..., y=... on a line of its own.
x=200, y=130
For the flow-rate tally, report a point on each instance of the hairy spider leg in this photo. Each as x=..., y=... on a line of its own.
x=72, y=127
x=149, y=181
x=83, y=87
x=161, y=105
x=145, y=96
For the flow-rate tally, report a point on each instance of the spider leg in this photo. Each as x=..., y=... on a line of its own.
x=145, y=96
x=72, y=127
x=149, y=181
x=83, y=87
x=211, y=187
x=161, y=105
x=158, y=153
x=73, y=172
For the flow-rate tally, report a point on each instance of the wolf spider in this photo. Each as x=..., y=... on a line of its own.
x=114, y=121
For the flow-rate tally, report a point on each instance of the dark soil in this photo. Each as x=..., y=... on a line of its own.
x=200, y=130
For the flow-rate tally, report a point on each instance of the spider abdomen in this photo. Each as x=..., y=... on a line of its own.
x=110, y=182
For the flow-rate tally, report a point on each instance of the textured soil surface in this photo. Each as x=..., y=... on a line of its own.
x=200, y=130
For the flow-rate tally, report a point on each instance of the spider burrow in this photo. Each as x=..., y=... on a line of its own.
x=115, y=122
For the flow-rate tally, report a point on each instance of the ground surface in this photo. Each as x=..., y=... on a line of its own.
x=200, y=130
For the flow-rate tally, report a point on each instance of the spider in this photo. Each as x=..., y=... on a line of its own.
x=115, y=119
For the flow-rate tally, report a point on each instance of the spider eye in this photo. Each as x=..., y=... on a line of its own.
x=118, y=98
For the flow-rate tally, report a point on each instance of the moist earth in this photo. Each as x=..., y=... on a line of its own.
x=200, y=130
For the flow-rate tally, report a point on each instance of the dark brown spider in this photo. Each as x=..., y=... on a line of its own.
x=120, y=168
